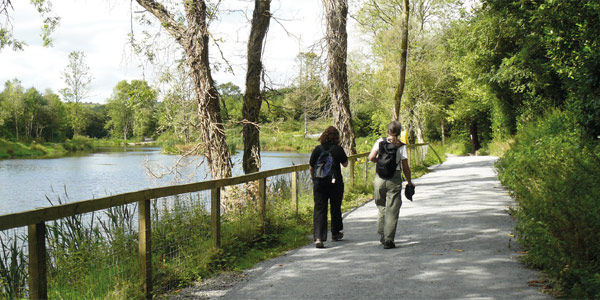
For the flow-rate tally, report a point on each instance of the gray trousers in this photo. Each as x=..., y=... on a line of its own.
x=388, y=198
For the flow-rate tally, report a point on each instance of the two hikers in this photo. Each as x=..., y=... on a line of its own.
x=391, y=157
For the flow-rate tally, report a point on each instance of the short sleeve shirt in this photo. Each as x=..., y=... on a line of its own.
x=401, y=153
x=339, y=157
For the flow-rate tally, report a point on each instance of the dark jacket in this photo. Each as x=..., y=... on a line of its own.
x=339, y=157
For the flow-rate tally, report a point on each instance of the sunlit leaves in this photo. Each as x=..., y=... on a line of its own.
x=131, y=109
x=44, y=9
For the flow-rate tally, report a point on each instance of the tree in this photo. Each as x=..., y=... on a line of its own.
x=308, y=95
x=177, y=113
x=233, y=101
x=120, y=111
x=77, y=79
x=403, y=54
x=190, y=30
x=131, y=108
x=34, y=117
x=13, y=106
x=43, y=7
x=337, y=41
x=425, y=86
x=144, y=103
x=252, y=96
x=56, y=113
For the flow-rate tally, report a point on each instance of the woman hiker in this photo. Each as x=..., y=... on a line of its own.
x=388, y=185
x=328, y=185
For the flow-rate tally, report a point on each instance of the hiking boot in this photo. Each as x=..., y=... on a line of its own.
x=319, y=243
x=337, y=237
x=389, y=245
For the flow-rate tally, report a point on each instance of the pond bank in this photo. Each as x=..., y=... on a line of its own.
x=77, y=145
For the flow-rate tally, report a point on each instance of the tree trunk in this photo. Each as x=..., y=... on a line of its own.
x=336, y=12
x=17, y=126
x=474, y=137
x=443, y=131
x=195, y=44
x=403, y=54
x=305, y=123
x=252, y=97
x=194, y=40
x=419, y=133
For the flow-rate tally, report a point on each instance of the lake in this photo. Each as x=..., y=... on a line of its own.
x=25, y=183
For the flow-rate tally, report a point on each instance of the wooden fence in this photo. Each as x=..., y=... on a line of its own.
x=35, y=220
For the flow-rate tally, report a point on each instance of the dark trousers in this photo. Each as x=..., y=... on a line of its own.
x=332, y=193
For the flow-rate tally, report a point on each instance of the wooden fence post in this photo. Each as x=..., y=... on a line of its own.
x=38, y=287
x=295, y=192
x=411, y=158
x=262, y=201
x=215, y=216
x=366, y=169
x=351, y=170
x=145, y=246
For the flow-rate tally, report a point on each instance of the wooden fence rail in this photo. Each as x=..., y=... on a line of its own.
x=35, y=219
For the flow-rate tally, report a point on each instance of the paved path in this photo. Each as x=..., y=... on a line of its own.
x=454, y=242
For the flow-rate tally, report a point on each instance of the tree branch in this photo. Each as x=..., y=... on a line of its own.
x=165, y=17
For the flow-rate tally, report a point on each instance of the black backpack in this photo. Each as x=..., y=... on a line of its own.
x=323, y=167
x=386, y=159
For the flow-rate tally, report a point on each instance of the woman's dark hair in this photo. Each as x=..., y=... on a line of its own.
x=330, y=136
x=394, y=128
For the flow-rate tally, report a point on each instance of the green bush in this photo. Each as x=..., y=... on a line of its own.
x=79, y=143
x=496, y=147
x=435, y=153
x=553, y=172
x=10, y=149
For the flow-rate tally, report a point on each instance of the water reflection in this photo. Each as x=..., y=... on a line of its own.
x=25, y=183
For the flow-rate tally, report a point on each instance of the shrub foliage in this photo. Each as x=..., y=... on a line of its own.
x=553, y=172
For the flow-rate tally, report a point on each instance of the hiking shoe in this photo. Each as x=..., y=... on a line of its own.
x=389, y=245
x=319, y=244
x=337, y=237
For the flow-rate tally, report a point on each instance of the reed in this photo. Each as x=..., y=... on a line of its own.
x=13, y=267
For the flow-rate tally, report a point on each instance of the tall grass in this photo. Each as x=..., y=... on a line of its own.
x=95, y=256
x=554, y=175
x=13, y=267
x=10, y=149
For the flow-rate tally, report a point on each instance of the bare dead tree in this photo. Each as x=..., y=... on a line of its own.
x=253, y=96
x=193, y=36
x=403, y=55
x=337, y=44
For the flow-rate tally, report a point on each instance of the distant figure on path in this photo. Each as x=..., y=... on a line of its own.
x=391, y=157
x=328, y=184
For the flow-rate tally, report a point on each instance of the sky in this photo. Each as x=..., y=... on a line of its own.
x=100, y=28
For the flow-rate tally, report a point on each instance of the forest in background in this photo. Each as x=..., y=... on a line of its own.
x=523, y=74
x=479, y=74
x=474, y=76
